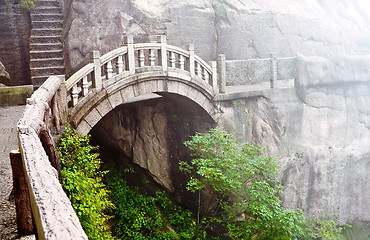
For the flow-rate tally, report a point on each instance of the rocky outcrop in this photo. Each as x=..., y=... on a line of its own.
x=239, y=29
x=14, y=48
x=319, y=131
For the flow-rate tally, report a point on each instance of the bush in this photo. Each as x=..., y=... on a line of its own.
x=82, y=181
x=144, y=217
x=28, y=4
x=241, y=177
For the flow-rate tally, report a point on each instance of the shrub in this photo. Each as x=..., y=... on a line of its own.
x=241, y=177
x=144, y=217
x=82, y=181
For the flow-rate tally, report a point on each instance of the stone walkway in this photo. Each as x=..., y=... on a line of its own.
x=9, y=117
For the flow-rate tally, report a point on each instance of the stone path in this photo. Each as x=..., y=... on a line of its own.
x=9, y=117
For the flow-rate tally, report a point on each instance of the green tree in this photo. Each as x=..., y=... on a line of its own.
x=241, y=179
x=82, y=181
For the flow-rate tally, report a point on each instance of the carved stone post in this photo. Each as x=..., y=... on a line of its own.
x=273, y=70
x=97, y=82
x=221, y=72
x=191, y=60
x=214, y=77
x=129, y=40
x=163, y=42
x=63, y=101
x=22, y=199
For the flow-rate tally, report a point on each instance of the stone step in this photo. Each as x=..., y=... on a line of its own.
x=37, y=81
x=49, y=3
x=47, y=17
x=46, y=46
x=47, y=24
x=45, y=39
x=46, y=62
x=47, y=71
x=46, y=54
x=46, y=10
x=46, y=32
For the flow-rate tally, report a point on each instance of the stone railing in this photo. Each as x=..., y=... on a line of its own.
x=134, y=59
x=257, y=71
x=52, y=211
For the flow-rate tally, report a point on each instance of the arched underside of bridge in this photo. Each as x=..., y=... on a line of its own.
x=95, y=106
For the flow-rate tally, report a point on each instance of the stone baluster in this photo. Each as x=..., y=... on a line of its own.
x=97, y=82
x=109, y=70
x=214, y=77
x=63, y=101
x=163, y=52
x=141, y=58
x=85, y=86
x=198, y=69
x=205, y=75
x=182, y=62
x=172, y=59
x=129, y=40
x=221, y=72
x=74, y=94
x=151, y=57
x=191, y=60
x=273, y=70
x=119, y=64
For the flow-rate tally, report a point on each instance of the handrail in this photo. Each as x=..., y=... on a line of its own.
x=79, y=75
x=51, y=209
x=113, y=54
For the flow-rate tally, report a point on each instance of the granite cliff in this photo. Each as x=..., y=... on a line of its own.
x=319, y=129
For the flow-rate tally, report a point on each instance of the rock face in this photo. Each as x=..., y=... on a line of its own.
x=239, y=29
x=319, y=130
x=147, y=132
x=14, y=48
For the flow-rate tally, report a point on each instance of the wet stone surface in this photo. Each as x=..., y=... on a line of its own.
x=9, y=117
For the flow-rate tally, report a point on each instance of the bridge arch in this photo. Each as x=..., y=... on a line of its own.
x=85, y=116
x=135, y=70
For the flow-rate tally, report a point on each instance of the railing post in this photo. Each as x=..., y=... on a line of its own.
x=221, y=73
x=273, y=70
x=24, y=218
x=191, y=60
x=214, y=77
x=97, y=82
x=129, y=40
x=63, y=101
x=163, y=41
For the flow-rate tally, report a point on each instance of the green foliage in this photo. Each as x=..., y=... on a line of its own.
x=82, y=181
x=324, y=228
x=28, y=4
x=144, y=217
x=242, y=179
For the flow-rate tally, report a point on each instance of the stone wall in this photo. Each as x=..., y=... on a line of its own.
x=319, y=131
x=15, y=28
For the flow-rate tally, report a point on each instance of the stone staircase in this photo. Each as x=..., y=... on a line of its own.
x=46, y=48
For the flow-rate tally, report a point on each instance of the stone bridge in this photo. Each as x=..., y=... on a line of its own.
x=131, y=72
x=137, y=70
